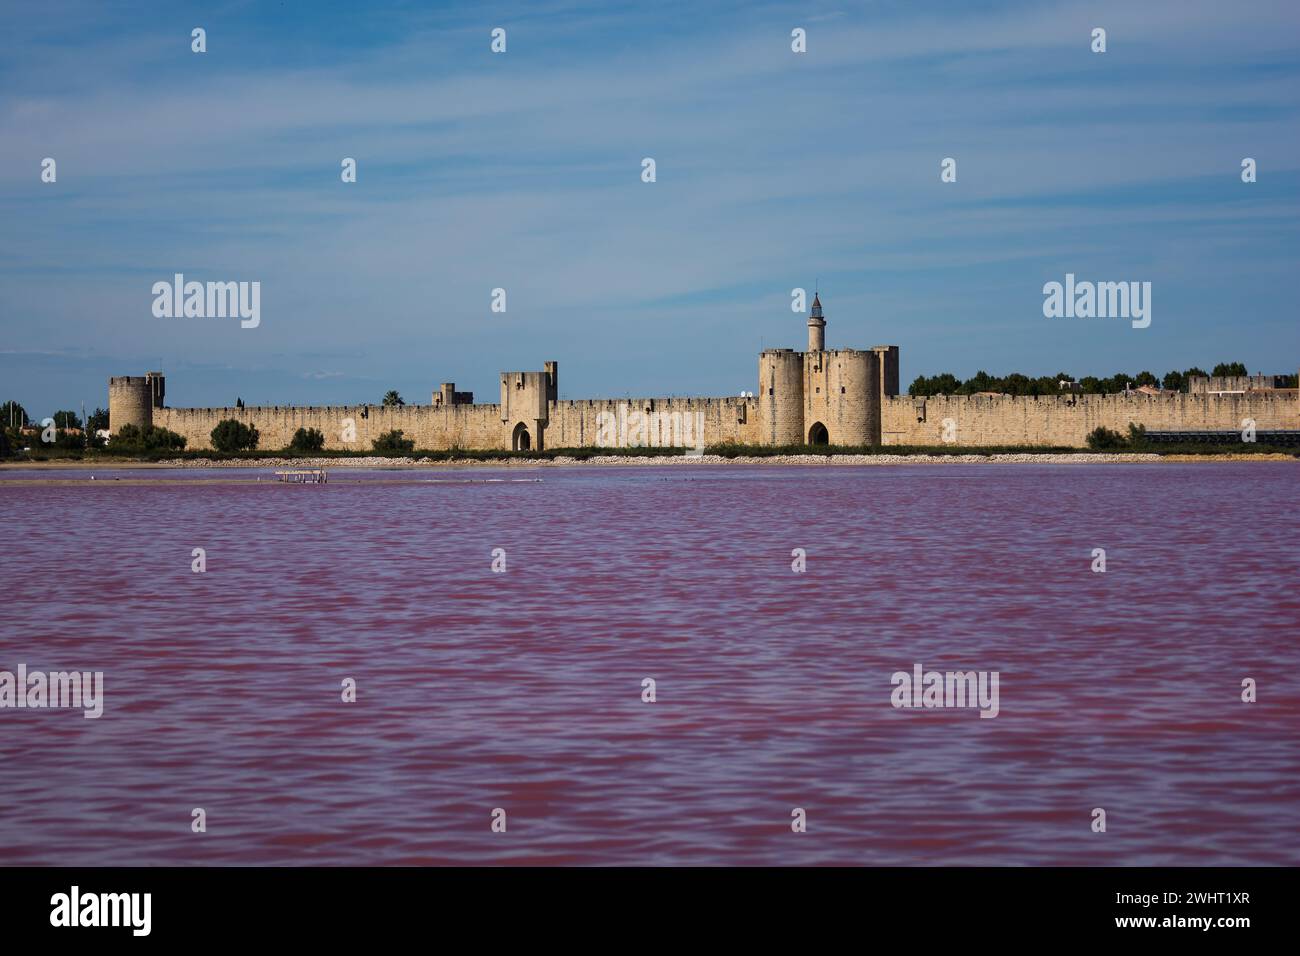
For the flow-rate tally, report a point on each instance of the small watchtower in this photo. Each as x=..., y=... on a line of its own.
x=816, y=326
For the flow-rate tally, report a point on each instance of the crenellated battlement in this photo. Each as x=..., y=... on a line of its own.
x=841, y=396
x=1066, y=420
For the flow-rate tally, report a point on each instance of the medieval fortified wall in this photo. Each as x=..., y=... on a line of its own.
x=838, y=396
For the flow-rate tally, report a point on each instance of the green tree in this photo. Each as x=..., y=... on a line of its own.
x=307, y=439
x=1051, y=384
x=979, y=382
x=1230, y=368
x=98, y=420
x=11, y=413
x=131, y=439
x=392, y=443
x=66, y=419
x=1173, y=381
x=944, y=383
x=392, y=399
x=1116, y=383
x=1011, y=384
x=156, y=437
x=1103, y=439
x=1145, y=378
x=232, y=435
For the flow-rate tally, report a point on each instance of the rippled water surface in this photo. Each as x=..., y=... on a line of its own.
x=522, y=690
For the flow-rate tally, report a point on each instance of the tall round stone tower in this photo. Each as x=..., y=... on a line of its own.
x=132, y=399
x=839, y=394
x=780, y=398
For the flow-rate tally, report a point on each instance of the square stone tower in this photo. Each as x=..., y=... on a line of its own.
x=525, y=405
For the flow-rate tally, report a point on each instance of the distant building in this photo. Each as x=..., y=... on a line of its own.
x=447, y=396
x=1234, y=384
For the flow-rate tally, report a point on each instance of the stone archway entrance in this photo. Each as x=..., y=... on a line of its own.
x=520, y=440
x=817, y=435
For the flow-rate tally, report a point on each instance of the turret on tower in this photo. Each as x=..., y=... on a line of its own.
x=816, y=327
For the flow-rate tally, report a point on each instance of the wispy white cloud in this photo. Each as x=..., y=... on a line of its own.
x=522, y=171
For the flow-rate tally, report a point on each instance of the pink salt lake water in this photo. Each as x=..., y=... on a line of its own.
x=522, y=690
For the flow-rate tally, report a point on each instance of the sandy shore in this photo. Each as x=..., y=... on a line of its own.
x=664, y=461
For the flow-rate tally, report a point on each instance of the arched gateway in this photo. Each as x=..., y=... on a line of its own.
x=521, y=441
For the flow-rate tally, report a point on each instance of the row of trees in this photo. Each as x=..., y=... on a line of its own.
x=1017, y=384
x=13, y=415
x=132, y=439
x=68, y=432
x=233, y=436
x=64, y=429
x=230, y=436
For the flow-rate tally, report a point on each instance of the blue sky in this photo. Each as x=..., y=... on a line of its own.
x=522, y=171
